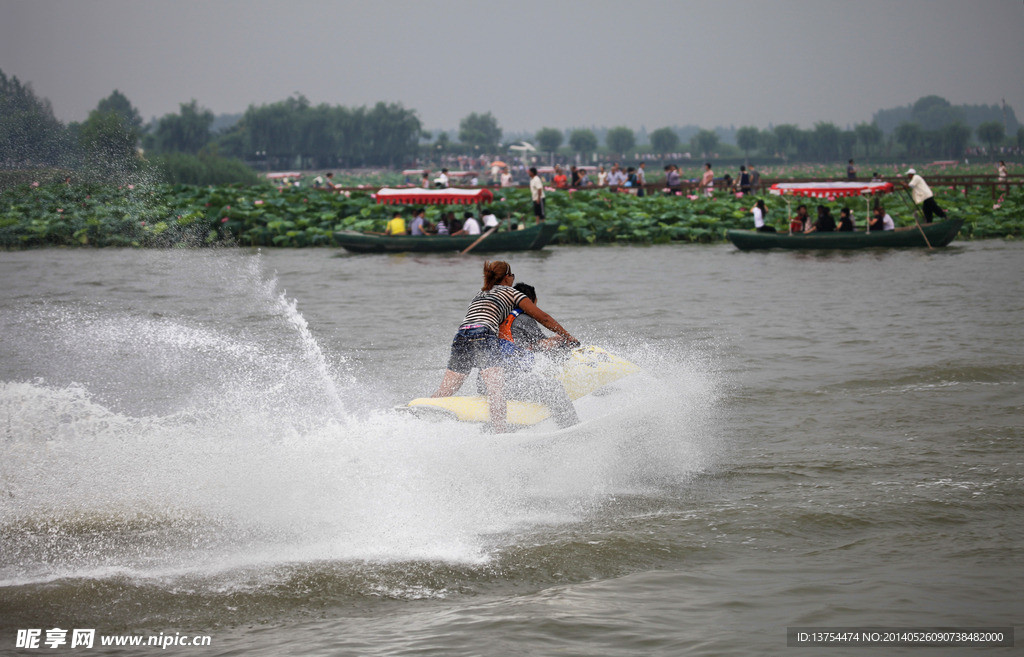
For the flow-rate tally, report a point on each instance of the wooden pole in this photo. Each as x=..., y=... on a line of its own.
x=908, y=201
x=480, y=239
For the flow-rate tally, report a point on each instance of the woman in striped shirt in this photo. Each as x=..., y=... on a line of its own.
x=476, y=343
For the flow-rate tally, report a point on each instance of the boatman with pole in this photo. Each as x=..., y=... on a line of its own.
x=923, y=196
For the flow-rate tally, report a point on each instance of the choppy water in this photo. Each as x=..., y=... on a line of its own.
x=201, y=442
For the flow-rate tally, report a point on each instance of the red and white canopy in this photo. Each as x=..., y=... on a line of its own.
x=831, y=189
x=420, y=196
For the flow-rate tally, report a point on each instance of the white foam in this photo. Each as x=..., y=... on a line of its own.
x=271, y=460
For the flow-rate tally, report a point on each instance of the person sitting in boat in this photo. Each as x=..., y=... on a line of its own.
x=924, y=197
x=396, y=226
x=826, y=223
x=845, y=221
x=441, y=228
x=419, y=226
x=800, y=222
x=760, y=213
x=489, y=219
x=520, y=337
x=881, y=220
x=454, y=225
x=470, y=226
x=476, y=343
x=441, y=182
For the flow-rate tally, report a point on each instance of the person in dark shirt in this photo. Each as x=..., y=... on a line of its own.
x=845, y=221
x=744, y=180
x=826, y=223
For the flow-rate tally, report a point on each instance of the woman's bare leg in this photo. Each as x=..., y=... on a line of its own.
x=494, y=378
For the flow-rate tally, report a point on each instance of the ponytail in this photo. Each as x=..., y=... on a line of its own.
x=494, y=273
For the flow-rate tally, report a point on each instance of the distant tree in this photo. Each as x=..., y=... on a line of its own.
x=747, y=139
x=935, y=113
x=847, y=140
x=583, y=141
x=1020, y=137
x=768, y=142
x=788, y=135
x=664, y=140
x=549, y=139
x=620, y=139
x=187, y=132
x=705, y=142
x=108, y=141
x=110, y=135
x=480, y=130
x=443, y=143
x=319, y=135
x=394, y=133
x=290, y=133
x=29, y=132
x=910, y=135
x=955, y=138
x=119, y=104
x=868, y=134
x=826, y=140
x=992, y=133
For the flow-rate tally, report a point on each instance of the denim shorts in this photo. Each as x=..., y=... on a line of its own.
x=475, y=347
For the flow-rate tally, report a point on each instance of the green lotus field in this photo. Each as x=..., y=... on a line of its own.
x=161, y=215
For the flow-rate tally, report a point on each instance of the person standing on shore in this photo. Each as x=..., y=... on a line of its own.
x=707, y=181
x=537, y=194
x=924, y=197
x=744, y=180
x=672, y=180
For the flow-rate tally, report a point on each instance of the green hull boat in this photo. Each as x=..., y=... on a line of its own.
x=938, y=234
x=529, y=239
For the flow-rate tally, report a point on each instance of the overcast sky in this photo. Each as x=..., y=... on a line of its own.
x=531, y=63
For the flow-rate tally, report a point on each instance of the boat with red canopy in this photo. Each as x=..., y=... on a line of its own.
x=530, y=238
x=936, y=234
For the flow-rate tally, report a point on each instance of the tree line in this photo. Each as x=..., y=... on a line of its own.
x=293, y=133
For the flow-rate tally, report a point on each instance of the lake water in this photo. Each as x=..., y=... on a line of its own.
x=202, y=443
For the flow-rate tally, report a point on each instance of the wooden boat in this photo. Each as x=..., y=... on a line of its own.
x=936, y=234
x=939, y=233
x=530, y=238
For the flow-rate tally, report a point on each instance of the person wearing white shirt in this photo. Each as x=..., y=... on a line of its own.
x=537, y=194
x=881, y=220
x=760, y=214
x=470, y=226
x=490, y=221
x=442, y=180
x=924, y=197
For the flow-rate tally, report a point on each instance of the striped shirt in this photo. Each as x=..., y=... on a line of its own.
x=490, y=308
